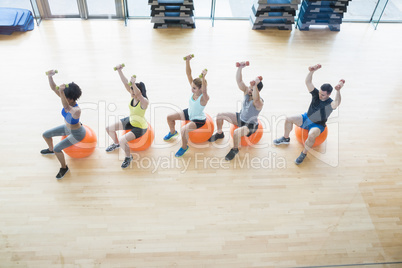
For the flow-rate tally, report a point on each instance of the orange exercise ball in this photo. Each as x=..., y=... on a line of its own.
x=302, y=134
x=253, y=139
x=83, y=148
x=203, y=133
x=144, y=142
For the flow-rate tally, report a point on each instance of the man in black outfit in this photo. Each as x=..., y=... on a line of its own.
x=315, y=119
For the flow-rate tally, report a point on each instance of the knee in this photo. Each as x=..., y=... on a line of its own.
x=237, y=133
x=57, y=149
x=311, y=139
x=45, y=135
x=122, y=141
x=184, y=130
x=170, y=117
x=312, y=135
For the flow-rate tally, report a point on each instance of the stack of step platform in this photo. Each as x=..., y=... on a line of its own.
x=316, y=12
x=15, y=20
x=176, y=13
x=279, y=14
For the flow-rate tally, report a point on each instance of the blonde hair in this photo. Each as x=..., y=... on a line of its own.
x=197, y=82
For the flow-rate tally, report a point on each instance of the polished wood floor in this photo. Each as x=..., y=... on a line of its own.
x=342, y=206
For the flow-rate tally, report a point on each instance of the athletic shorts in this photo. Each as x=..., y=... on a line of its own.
x=138, y=132
x=308, y=124
x=252, y=128
x=198, y=123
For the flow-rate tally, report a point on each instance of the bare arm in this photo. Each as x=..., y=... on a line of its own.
x=188, y=69
x=123, y=78
x=239, y=78
x=205, y=97
x=63, y=98
x=258, y=103
x=136, y=93
x=52, y=84
x=309, y=78
x=337, y=100
x=75, y=111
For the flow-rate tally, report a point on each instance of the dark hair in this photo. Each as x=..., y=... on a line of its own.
x=73, y=91
x=259, y=86
x=327, y=88
x=197, y=82
x=141, y=87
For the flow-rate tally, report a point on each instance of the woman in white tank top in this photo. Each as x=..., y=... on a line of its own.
x=194, y=113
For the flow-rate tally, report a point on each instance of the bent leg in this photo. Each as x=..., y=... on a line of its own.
x=312, y=135
x=296, y=119
x=129, y=136
x=71, y=139
x=229, y=117
x=111, y=131
x=238, y=133
x=184, y=133
x=172, y=118
x=54, y=132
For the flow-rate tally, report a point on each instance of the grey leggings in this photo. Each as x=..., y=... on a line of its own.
x=74, y=136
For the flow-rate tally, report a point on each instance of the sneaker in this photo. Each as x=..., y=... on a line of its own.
x=127, y=161
x=216, y=136
x=282, y=140
x=300, y=159
x=169, y=136
x=62, y=172
x=232, y=153
x=46, y=151
x=112, y=147
x=181, y=151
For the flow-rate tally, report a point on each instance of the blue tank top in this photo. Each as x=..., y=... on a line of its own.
x=195, y=109
x=69, y=118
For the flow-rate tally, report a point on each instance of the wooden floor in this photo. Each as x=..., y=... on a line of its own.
x=341, y=207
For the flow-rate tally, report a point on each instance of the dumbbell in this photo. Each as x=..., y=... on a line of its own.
x=252, y=83
x=130, y=84
x=200, y=76
x=57, y=87
x=122, y=65
x=185, y=58
x=238, y=64
x=55, y=71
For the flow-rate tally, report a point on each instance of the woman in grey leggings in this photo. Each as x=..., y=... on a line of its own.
x=68, y=93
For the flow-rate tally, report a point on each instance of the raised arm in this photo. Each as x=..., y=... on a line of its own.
x=124, y=80
x=337, y=100
x=136, y=93
x=239, y=78
x=52, y=84
x=258, y=102
x=205, y=97
x=75, y=111
x=309, y=78
x=188, y=69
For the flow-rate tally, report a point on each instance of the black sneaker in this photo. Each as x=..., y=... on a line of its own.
x=300, y=159
x=62, y=172
x=216, y=136
x=127, y=161
x=282, y=140
x=46, y=151
x=112, y=147
x=233, y=152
